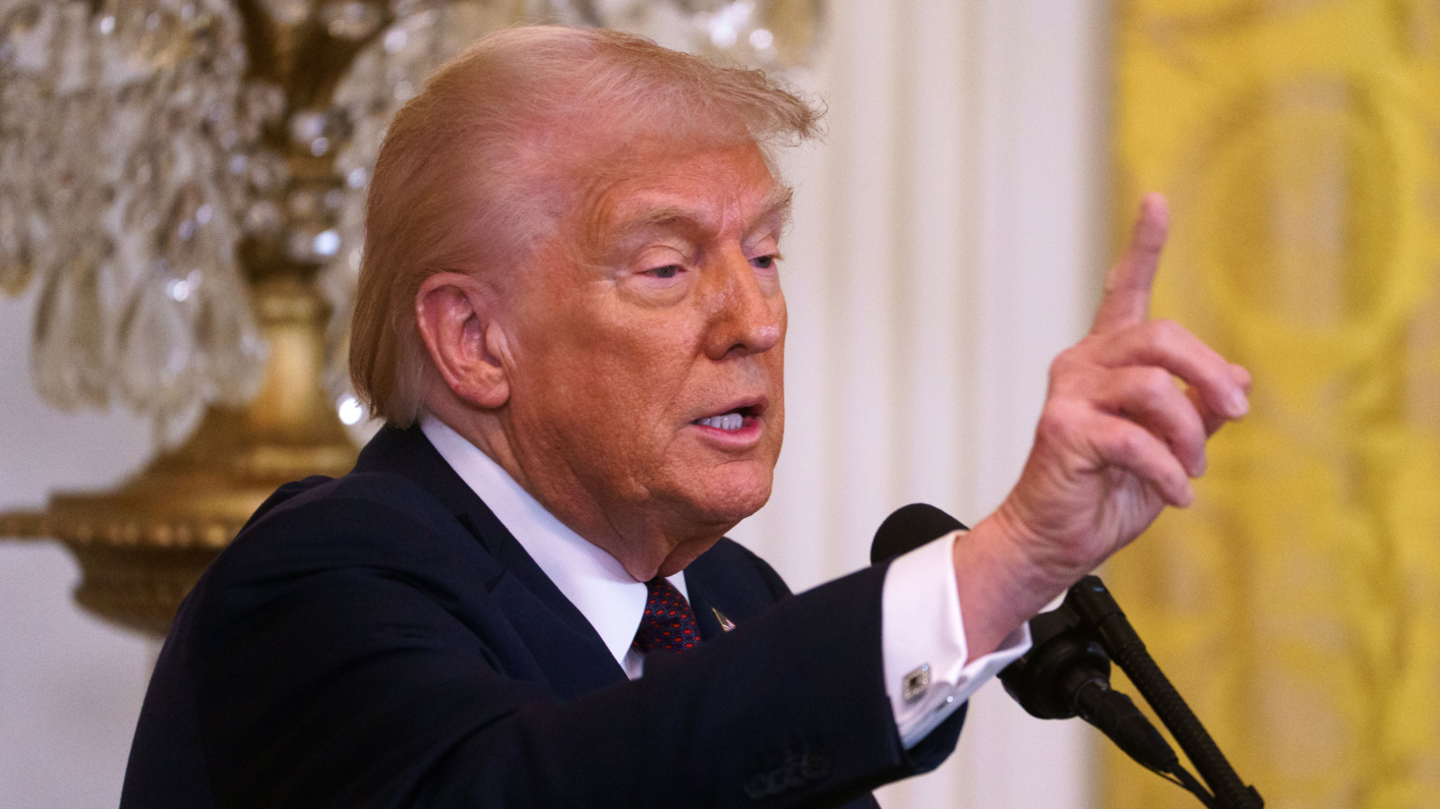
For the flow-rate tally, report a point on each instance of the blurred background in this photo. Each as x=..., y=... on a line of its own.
x=180, y=183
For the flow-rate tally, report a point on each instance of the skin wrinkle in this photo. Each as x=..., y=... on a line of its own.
x=631, y=155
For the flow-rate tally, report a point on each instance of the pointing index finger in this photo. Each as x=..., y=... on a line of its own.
x=1127, y=286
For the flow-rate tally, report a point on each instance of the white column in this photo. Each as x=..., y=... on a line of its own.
x=1043, y=215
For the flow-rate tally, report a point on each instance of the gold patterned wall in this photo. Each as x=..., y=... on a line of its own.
x=1297, y=604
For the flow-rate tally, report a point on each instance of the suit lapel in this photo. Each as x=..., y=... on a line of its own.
x=705, y=612
x=721, y=582
x=567, y=648
x=564, y=643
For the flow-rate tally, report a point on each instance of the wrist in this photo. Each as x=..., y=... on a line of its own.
x=999, y=584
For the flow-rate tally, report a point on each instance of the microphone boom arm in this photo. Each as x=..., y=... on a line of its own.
x=1097, y=608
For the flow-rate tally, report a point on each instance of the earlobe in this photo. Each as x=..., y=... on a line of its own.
x=455, y=314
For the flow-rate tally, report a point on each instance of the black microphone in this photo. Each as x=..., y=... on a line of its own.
x=1066, y=673
x=908, y=528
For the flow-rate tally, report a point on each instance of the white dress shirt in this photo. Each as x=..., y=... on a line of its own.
x=923, y=634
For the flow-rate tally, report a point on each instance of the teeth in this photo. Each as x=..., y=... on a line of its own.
x=729, y=421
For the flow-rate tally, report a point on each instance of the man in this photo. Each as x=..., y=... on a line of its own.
x=571, y=320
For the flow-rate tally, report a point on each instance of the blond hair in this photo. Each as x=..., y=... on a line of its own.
x=479, y=167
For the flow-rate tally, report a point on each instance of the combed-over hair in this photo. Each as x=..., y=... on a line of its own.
x=478, y=168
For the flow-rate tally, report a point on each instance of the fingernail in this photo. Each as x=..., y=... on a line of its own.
x=1238, y=405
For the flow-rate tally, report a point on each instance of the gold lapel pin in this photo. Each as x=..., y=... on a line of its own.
x=725, y=623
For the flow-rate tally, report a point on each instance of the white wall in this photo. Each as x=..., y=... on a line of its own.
x=70, y=686
x=946, y=240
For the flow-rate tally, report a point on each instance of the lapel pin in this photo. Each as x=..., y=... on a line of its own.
x=725, y=623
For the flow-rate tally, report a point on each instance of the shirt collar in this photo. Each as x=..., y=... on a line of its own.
x=593, y=580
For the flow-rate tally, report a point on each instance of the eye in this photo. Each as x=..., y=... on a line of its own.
x=764, y=262
x=668, y=271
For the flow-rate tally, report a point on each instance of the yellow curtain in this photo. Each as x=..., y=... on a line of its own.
x=1297, y=604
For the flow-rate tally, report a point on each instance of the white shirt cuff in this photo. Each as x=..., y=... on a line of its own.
x=923, y=641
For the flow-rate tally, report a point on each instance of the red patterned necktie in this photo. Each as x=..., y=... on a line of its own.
x=668, y=622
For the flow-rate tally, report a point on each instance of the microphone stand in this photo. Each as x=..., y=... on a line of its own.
x=1099, y=613
x=1066, y=673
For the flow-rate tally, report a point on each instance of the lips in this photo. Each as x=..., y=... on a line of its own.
x=735, y=417
x=729, y=421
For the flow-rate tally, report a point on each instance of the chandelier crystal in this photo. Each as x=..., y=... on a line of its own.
x=149, y=170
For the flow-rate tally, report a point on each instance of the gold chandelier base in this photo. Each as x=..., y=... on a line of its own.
x=142, y=546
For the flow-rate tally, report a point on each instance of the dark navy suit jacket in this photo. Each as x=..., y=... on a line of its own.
x=381, y=640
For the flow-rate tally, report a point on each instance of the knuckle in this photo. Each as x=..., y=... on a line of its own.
x=1154, y=384
x=1131, y=443
x=1059, y=420
x=1166, y=334
x=1052, y=419
x=1165, y=327
x=1063, y=363
x=1115, y=440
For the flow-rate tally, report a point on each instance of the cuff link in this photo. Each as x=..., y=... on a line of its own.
x=915, y=684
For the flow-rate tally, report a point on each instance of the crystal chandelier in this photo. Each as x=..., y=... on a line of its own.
x=156, y=154
x=185, y=181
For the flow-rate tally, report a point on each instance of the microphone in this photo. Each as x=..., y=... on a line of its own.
x=1066, y=673
x=908, y=528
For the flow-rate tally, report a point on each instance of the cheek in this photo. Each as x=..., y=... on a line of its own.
x=595, y=384
x=642, y=370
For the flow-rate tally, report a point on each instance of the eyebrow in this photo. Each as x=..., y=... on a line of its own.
x=776, y=205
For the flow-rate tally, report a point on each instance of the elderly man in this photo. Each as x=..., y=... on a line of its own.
x=570, y=318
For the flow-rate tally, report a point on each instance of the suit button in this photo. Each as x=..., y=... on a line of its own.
x=793, y=774
x=765, y=785
x=775, y=783
x=815, y=766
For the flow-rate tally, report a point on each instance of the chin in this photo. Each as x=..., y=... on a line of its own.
x=728, y=497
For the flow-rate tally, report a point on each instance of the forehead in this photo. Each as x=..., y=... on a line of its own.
x=711, y=189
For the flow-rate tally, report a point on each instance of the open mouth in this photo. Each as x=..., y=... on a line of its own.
x=735, y=419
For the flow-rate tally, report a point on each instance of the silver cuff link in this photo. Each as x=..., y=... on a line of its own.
x=915, y=684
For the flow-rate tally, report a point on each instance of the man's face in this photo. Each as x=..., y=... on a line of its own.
x=647, y=398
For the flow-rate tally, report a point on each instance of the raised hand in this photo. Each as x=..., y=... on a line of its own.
x=1118, y=440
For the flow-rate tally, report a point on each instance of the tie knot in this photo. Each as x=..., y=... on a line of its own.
x=668, y=622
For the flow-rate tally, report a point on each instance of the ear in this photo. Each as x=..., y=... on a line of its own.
x=455, y=313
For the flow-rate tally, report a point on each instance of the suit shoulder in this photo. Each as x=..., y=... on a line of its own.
x=372, y=521
x=353, y=507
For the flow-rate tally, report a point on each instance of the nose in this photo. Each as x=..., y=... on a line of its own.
x=746, y=314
